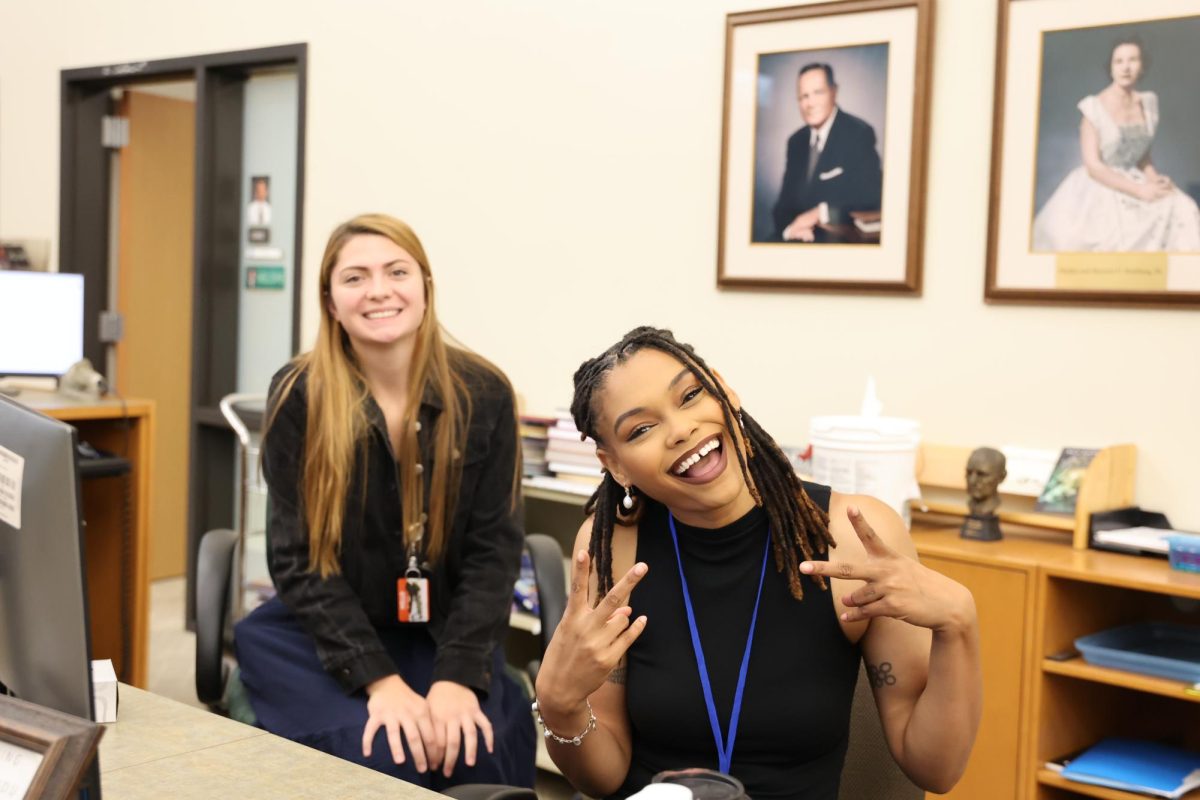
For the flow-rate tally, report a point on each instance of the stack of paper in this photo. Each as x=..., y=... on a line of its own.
x=1141, y=539
x=1137, y=766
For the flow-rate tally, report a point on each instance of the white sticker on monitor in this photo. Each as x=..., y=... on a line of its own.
x=12, y=470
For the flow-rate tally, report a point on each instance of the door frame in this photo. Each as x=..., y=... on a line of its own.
x=84, y=210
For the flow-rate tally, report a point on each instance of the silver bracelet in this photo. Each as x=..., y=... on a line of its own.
x=573, y=740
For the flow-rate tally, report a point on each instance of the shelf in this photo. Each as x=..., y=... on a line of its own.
x=1048, y=777
x=1081, y=670
x=553, y=495
x=1107, y=484
x=1031, y=519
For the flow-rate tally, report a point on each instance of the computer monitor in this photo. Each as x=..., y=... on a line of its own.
x=44, y=642
x=41, y=322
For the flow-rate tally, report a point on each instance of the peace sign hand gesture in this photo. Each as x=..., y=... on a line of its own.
x=895, y=585
x=589, y=642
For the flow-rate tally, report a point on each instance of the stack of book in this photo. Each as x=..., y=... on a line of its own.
x=533, y=444
x=569, y=455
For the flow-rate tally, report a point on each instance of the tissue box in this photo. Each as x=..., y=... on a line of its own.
x=104, y=691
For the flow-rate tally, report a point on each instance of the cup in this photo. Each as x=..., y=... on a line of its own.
x=705, y=784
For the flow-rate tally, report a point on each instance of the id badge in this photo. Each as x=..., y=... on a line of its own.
x=412, y=599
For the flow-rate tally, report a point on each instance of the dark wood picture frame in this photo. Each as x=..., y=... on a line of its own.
x=901, y=278
x=1000, y=222
x=66, y=744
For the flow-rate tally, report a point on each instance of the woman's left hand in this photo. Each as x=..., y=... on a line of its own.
x=895, y=585
x=458, y=720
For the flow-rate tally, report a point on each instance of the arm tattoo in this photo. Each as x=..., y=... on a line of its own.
x=617, y=676
x=881, y=675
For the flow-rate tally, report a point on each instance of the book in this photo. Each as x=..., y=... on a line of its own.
x=1062, y=487
x=1139, y=766
x=595, y=471
x=562, y=484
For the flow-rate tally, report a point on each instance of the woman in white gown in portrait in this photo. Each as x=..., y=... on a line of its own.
x=1117, y=201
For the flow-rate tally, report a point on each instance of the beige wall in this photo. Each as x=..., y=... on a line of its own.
x=560, y=161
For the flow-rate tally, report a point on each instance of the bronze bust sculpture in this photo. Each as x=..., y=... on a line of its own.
x=985, y=472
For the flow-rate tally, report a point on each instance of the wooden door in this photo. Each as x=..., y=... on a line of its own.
x=154, y=294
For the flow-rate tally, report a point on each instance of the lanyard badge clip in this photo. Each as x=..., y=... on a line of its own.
x=412, y=588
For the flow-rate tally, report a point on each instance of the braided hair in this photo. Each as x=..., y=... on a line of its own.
x=801, y=527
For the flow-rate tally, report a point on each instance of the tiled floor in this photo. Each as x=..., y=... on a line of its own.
x=172, y=663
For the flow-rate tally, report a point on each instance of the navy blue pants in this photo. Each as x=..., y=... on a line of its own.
x=294, y=697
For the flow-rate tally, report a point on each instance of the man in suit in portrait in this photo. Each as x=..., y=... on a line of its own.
x=832, y=165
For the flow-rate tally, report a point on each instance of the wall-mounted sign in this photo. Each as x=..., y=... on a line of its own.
x=270, y=278
x=257, y=235
x=264, y=253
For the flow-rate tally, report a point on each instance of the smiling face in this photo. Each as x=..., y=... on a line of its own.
x=663, y=433
x=376, y=292
x=1126, y=65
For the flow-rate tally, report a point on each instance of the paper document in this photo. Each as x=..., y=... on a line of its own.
x=1153, y=540
x=12, y=473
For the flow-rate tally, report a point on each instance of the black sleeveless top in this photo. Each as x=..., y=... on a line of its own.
x=791, y=740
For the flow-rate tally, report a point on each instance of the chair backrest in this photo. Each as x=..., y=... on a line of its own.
x=549, y=572
x=870, y=770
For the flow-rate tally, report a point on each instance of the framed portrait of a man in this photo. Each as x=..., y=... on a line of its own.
x=823, y=147
x=1095, y=168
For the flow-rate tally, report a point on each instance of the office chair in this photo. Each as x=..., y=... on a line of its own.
x=218, y=687
x=870, y=770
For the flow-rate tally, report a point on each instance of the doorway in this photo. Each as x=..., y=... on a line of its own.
x=177, y=285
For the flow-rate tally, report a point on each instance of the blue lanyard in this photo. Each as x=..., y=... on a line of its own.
x=724, y=749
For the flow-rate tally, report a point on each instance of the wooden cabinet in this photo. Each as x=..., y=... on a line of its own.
x=1075, y=703
x=116, y=518
x=1035, y=595
x=1004, y=599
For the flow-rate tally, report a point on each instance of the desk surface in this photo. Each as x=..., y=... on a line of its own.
x=162, y=748
x=71, y=408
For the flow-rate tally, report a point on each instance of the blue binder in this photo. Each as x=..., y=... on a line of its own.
x=1137, y=766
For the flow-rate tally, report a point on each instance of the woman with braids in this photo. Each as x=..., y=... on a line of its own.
x=729, y=604
x=394, y=533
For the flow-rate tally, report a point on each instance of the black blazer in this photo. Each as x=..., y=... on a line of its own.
x=848, y=176
x=471, y=585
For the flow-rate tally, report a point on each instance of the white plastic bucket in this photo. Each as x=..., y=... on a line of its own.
x=876, y=456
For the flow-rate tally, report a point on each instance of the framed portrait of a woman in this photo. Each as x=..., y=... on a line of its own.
x=1095, y=167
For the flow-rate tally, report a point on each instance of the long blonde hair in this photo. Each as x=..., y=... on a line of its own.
x=337, y=424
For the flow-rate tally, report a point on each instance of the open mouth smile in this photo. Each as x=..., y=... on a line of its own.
x=701, y=463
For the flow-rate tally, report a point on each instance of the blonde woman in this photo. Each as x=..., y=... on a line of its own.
x=394, y=533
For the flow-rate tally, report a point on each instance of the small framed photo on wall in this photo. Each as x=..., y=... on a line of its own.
x=1095, y=193
x=823, y=147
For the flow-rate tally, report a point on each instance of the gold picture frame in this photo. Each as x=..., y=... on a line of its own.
x=1058, y=231
x=849, y=215
x=47, y=752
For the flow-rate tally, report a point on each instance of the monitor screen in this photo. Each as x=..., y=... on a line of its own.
x=41, y=322
x=44, y=635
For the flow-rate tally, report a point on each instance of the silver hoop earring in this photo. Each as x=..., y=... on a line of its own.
x=628, y=501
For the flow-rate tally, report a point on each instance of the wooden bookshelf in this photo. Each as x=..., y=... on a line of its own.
x=1036, y=595
x=1108, y=483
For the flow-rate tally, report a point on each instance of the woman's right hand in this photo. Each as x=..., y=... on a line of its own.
x=1153, y=190
x=392, y=705
x=588, y=643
